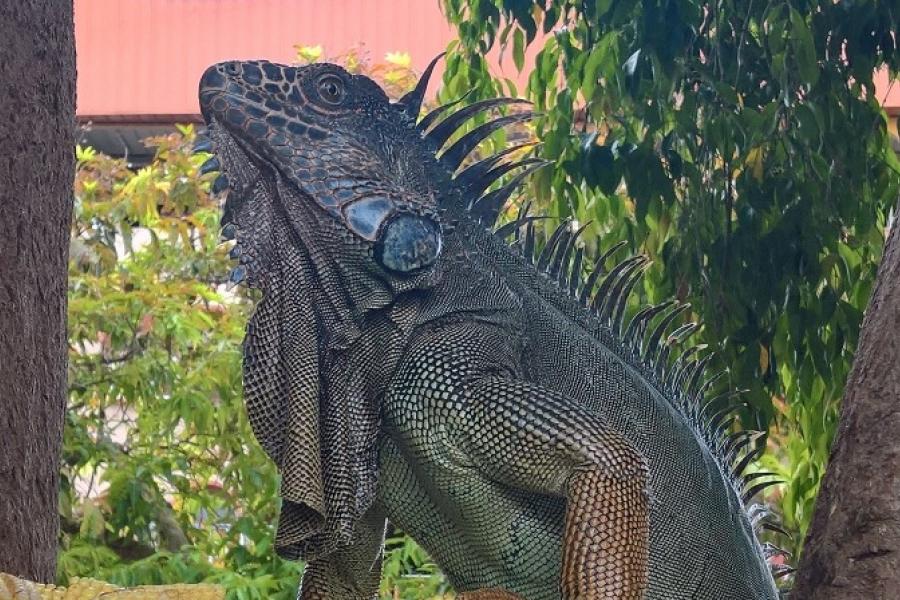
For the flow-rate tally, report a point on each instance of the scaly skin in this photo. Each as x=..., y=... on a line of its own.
x=492, y=594
x=406, y=362
x=14, y=588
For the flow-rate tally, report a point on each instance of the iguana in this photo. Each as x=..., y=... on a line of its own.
x=409, y=361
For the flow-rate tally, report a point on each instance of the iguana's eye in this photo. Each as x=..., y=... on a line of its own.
x=331, y=89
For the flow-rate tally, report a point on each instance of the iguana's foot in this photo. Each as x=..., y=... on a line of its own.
x=489, y=594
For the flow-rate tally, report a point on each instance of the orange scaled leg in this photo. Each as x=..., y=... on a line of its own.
x=605, y=554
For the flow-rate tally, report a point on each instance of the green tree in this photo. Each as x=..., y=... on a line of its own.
x=741, y=145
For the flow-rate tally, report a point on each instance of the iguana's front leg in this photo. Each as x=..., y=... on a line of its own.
x=532, y=438
x=520, y=434
x=351, y=572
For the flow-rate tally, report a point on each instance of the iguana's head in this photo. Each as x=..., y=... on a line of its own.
x=327, y=152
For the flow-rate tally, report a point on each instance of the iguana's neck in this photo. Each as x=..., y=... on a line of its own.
x=468, y=285
x=313, y=253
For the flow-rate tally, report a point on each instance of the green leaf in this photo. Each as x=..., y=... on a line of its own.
x=597, y=60
x=93, y=524
x=804, y=49
x=519, y=49
x=602, y=7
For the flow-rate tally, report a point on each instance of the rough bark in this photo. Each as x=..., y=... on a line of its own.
x=37, y=119
x=853, y=547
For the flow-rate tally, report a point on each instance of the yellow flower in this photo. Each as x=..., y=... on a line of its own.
x=401, y=59
x=308, y=53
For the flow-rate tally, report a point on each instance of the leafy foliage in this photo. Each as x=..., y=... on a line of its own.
x=395, y=73
x=741, y=145
x=162, y=479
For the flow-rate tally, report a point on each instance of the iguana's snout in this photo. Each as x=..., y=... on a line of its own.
x=337, y=140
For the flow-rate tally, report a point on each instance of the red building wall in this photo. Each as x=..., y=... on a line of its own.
x=140, y=60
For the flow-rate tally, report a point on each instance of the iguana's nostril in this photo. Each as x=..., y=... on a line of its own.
x=212, y=79
x=232, y=68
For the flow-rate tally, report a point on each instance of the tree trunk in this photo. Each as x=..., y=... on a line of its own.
x=853, y=547
x=37, y=129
